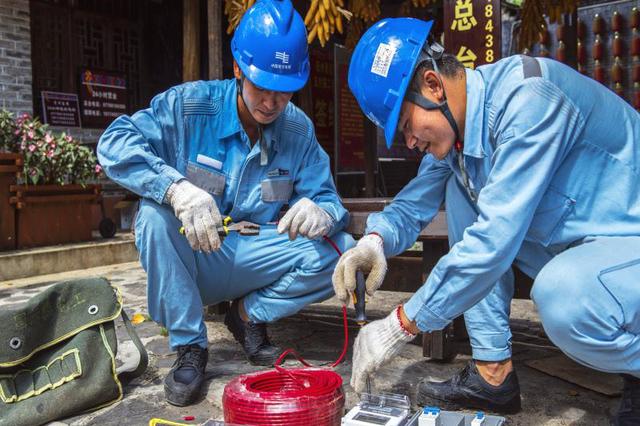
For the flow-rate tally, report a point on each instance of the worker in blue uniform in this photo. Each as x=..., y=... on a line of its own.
x=207, y=150
x=537, y=165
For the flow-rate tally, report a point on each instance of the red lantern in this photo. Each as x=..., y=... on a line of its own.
x=616, y=21
x=597, y=49
x=561, y=52
x=598, y=24
x=616, y=71
x=598, y=72
x=617, y=45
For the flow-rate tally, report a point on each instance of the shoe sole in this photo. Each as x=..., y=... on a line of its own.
x=262, y=361
x=512, y=407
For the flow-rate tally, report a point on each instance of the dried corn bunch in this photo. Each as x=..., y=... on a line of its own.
x=367, y=10
x=533, y=13
x=356, y=28
x=323, y=18
x=234, y=9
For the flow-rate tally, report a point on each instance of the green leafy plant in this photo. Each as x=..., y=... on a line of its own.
x=49, y=158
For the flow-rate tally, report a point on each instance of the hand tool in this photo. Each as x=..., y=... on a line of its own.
x=228, y=225
x=359, y=305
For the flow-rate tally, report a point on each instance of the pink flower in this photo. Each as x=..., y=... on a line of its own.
x=98, y=168
x=48, y=138
x=50, y=153
x=31, y=134
x=32, y=147
x=52, y=145
x=33, y=171
x=68, y=138
x=23, y=146
x=17, y=132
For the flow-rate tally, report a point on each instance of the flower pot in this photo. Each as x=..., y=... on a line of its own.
x=10, y=165
x=53, y=214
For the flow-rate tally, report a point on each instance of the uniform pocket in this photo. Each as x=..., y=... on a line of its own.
x=623, y=283
x=277, y=189
x=550, y=214
x=209, y=180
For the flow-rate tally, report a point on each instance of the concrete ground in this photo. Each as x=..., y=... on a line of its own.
x=316, y=333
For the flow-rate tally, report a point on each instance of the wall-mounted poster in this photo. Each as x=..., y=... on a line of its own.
x=103, y=97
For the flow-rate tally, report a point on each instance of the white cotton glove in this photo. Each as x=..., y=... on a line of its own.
x=307, y=219
x=367, y=256
x=199, y=214
x=376, y=344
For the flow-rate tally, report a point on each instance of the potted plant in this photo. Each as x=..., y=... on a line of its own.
x=55, y=185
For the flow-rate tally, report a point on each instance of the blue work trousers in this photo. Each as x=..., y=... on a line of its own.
x=588, y=297
x=487, y=322
x=275, y=276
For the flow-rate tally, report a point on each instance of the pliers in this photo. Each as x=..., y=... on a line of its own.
x=228, y=225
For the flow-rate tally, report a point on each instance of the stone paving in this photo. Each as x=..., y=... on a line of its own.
x=315, y=333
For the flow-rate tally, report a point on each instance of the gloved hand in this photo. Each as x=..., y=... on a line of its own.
x=199, y=214
x=376, y=344
x=368, y=257
x=307, y=219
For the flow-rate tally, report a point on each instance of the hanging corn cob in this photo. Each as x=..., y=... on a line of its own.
x=234, y=9
x=533, y=13
x=422, y=3
x=367, y=10
x=323, y=18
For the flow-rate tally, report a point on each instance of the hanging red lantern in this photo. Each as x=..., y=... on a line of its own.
x=561, y=52
x=616, y=21
x=616, y=71
x=598, y=24
x=598, y=72
x=617, y=46
x=597, y=49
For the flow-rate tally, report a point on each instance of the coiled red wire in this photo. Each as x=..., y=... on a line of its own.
x=294, y=397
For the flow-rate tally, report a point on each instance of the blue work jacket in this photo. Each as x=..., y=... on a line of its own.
x=193, y=131
x=552, y=156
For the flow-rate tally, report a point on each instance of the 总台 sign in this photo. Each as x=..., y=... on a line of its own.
x=472, y=31
x=103, y=97
x=60, y=109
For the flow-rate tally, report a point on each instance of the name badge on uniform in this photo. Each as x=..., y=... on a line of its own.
x=208, y=161
x=278, y=172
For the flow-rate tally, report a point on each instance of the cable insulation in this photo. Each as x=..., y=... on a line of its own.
x=294, y=397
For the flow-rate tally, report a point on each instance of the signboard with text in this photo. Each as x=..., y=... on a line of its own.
x=322, y=95
x=473, y=31
x=103, y=97
x=349, y=132
x=60, y=109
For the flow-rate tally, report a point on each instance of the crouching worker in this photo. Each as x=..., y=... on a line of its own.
x=523, y=154
x=207, y=150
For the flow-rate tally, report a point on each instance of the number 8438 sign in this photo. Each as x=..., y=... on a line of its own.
x=472, y=31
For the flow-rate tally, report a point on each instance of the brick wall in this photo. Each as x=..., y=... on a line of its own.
x=15, y=56
x=16, y=92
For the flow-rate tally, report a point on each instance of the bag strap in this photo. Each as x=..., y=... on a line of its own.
x=144, y=358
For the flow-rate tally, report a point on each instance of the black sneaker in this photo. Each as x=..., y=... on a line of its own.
x=183, y=384
x=253, y=338
x=468, y=389
x=629, y=412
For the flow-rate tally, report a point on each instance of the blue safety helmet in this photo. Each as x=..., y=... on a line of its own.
x=382, y=66
x=270, y=46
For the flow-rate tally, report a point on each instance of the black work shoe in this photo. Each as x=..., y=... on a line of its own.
x=253, y=338
x=183, y=383
x=468, y=389
x=629, y=412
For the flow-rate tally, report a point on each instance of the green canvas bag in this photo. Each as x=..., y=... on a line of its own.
x=57, y=353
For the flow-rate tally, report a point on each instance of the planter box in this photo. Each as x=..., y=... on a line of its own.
x=53, y=214
x=10, y=166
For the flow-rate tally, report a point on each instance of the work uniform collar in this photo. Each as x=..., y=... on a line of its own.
x=232, y=125
x=474, y=118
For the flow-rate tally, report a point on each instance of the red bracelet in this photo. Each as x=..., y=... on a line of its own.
x=405, y=329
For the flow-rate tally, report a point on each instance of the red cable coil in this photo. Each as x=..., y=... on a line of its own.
x=297, y=397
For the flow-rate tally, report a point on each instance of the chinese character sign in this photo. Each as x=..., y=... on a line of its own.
x=472, y=31
x=103, y=97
